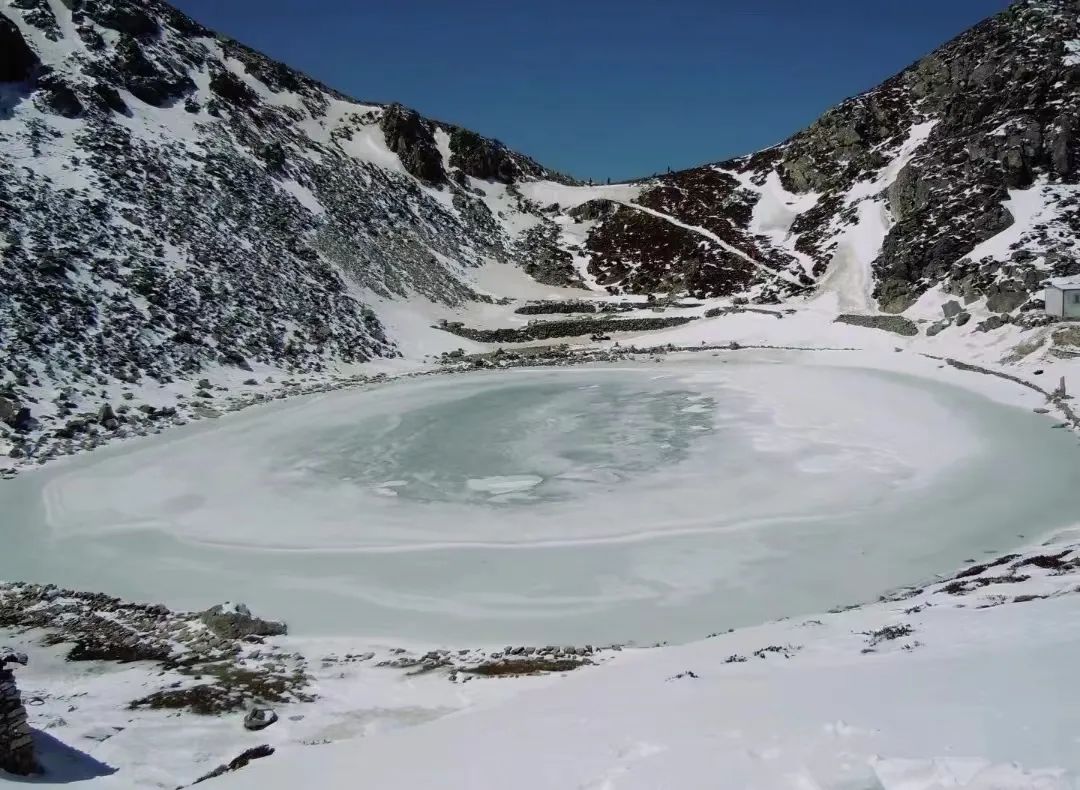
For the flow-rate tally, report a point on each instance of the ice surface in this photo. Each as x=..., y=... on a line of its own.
x=504, y=485
x=592, y=504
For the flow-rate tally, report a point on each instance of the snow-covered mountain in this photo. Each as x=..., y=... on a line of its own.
x=975, y=142
x=172, y=201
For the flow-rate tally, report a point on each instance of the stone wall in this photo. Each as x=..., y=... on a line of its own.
x=16, y=742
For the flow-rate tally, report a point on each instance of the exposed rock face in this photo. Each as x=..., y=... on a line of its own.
x=17, y=60
x=490, y=160
x=16, y=741
x=991, y=111
x=412, y=138
x=544, y=259
x=595, y=209
x=214, y=207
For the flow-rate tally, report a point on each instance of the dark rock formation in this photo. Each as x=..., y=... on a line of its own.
x=16, y=741
x=17, y=61
x=259, y=718
x=232, y=90
x=58, y=97
x=240, y=761
x=595, y=209
x=544, y=259
x=547, y=330
x=412, y=138
x=889, y=323
x=123, y=16
x=490, y=160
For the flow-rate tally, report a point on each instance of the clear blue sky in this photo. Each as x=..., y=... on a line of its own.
x=603, y=88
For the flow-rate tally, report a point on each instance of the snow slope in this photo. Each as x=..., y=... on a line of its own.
x=939, y=689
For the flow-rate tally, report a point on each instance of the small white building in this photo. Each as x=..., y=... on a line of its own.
x=1063, y=297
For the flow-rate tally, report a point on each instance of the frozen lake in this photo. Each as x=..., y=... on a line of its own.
x=628, y=502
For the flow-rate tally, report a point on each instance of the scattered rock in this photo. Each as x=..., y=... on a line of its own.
x=990, y=324
x=259, y=718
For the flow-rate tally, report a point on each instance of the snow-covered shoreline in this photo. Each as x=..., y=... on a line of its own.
x=965, y=682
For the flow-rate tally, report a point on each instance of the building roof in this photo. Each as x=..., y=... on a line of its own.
x=1065, y=283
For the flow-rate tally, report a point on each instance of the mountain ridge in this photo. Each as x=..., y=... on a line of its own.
x=172, y=200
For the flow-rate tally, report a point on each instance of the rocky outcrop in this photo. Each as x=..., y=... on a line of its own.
x=1002, y=97
x=240, y=238
x=547, y=330
x=242, y=760
x=545, y=259
x=596, y=209
x=16, y=740
x=889, y=323
x=18, y=417
x=991, y=111
x=412, y=138
x=122, y=16
x=692, y=239
x=17, y=61
x=490, y=160
x=235, y=621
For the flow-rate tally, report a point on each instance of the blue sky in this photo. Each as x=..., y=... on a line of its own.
x=603, y=88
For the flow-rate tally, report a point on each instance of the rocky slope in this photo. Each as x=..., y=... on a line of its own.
x=936, y=151
x=171, y=199
x=172, y=202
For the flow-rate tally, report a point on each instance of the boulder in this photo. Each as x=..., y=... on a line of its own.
x=9, y=656
x=1005, y=300
x=9, y=408
x=962, y=318
x=107, y=417
x=479, y=157
x=951, y=309
x=16, y=416
x=259, y=718
x=990, y=324
x=235, y=621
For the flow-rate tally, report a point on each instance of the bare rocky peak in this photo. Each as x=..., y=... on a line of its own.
x=1002, y=99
